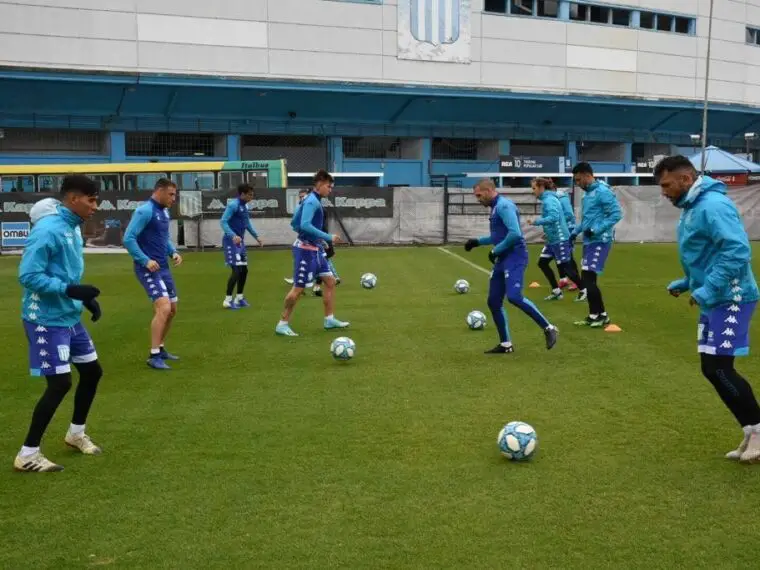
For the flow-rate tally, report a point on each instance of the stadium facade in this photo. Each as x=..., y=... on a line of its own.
x=401, y=90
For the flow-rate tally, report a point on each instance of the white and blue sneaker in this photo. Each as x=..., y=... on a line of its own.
x=241, y=303
x=158, y=363
x=229, y=304
x=333, y=323
x=284, y=330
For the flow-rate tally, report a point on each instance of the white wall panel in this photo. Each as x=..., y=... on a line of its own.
x=348, y=41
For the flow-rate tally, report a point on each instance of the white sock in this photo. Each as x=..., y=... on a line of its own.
x=228, y=299
x=506, y=344
x=282, y=323
x=604, y=314
x=557, y=291
x=27, y=451
x=330, y=317
x=75, y=429
x=155, y=351
x=593, y=316
x=239, y=297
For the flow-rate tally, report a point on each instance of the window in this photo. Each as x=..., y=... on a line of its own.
x=17, y=183
x=142, y=181
x=664, y=23
x=753, y=36
x=579, y=12
x=175, y=144
x=496, y=6
x=229, y=179
x=521, y=7
x=53, y=141
x=646, y=20
x=599, y=14
x=194, y=180
x=621, y=17
x=548, y=8
x=382, y=148
x=682, y=25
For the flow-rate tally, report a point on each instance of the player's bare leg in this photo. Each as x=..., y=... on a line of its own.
x=291, y=300
x=159, y=326
x=329, y=283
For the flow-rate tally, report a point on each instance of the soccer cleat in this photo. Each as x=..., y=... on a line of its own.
x=229, y=305
x=334, y=323
x=554, y=297
x=164, y=355
x=584, y=323
x=752, y=452
x=552, y=334
x=600, y=322
x=284, y=330
x=242, y=303
x=736, y=454
x=499, y=349
x=582, y=296
x=288, y=280
x=83, y=443
x=317, y=290
x=35, y=463
x=158, y=363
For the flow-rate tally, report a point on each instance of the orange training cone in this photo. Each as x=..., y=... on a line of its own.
x=613, y=328
x=534, y=285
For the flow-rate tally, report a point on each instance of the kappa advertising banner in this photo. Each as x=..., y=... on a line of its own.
x=105, y=229
x=537, y=164
x=349, y=202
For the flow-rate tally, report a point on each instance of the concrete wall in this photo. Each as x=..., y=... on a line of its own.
x=343, y=40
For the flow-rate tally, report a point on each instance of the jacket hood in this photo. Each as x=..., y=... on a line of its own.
x=46, y=207
x=701, y=186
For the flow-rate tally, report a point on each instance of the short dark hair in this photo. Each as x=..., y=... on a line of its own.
x=162, y=183
x=323, y=176
x=583, y=168
x=545, y=183
x=671, y=164
x=79, y=184
x=244, y=188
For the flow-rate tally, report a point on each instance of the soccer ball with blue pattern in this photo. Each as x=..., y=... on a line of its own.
x=343, y=348
x=476, y=320
x=517, y=441
x=461, y=286
x=369, y=280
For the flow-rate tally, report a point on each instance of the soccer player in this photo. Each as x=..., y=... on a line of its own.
x=510, y=258
x=557, y=236
x=50, y=272
x=236, y=220
x=309, y=260
x=147, y=241
x=567, y=209
x=716, y=258
x=601, y=212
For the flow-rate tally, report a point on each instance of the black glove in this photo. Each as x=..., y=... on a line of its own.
x=471, y=243
x=94, y=307
x=492, y=257
x=82, y=292
x=589, y=233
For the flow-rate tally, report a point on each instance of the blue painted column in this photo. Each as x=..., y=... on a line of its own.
x=628, y=156
x=118, y=147
x=427, y=158
x=335, y=154
x=233, y=147
x=571, y=152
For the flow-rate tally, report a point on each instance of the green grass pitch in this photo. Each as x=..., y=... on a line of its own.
x=263, y=452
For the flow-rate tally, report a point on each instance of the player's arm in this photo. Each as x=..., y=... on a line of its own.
x=567, y=208
x=727, y=233
x=612, y=212
x=307, y=216
x=34, y=263
x=225, y=223
x=550, y=214
x=137, y=224
x=251, y=230
x=678, y=286
x=509, y=217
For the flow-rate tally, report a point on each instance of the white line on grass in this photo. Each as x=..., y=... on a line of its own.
x=467, y=261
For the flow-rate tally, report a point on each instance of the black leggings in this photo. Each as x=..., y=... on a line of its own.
x=238, y=276
x=732, y=388
x=57, y=388
x=595, y=302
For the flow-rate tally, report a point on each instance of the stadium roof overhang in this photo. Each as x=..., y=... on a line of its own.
x=156, y=102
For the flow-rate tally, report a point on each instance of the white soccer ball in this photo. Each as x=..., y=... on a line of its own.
x=476, y=320
x=369, y=280
x=517, y=441
x=343, y=348
x=461, y=286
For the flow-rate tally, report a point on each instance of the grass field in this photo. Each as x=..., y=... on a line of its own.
x=262, y=452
